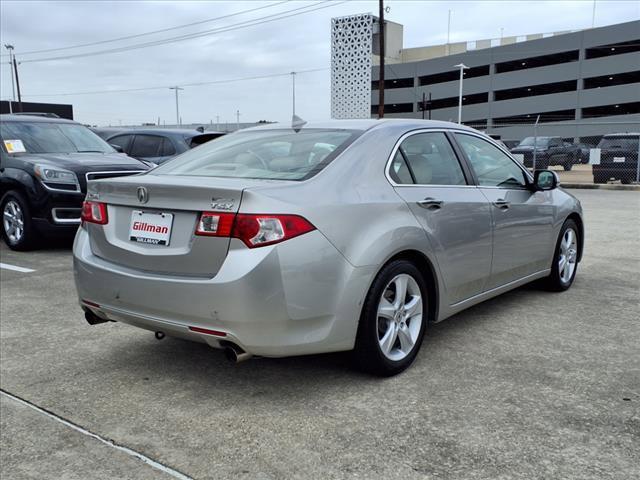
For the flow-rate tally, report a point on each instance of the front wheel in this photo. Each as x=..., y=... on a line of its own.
x=565, y=260
x=17, y=228
x=393, y=320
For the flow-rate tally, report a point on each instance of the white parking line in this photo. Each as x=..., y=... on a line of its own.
x=15, y=268
x=106, y=441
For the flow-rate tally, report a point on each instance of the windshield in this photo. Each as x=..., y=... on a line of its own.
x=268, y=154
x=619, y=143
x=50, y=137
x=529, y=142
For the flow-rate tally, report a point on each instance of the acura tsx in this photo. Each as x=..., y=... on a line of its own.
x=344, y=235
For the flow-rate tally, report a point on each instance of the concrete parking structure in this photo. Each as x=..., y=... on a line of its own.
x=528, y=385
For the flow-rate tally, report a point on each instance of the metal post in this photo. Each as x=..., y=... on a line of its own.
x=638, y=164
x=13, y=84
x=293, y=86
x=429, y=105
x=382, y=54
x=535, y=143
x=462, y=67
x=238, y=119
x=447, y=51
x=593, y=15
x=176, y=88
x=424, y=104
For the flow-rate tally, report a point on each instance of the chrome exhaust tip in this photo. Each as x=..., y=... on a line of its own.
x=235, y=354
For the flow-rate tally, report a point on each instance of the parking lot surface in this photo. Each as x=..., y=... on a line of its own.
x=528, y=385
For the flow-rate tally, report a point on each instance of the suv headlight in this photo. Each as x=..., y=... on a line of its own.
x=57, y=178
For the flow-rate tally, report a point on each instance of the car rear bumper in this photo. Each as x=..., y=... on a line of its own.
x=272, y=301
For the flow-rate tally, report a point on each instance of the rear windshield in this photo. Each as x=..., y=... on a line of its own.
x=619, y=143
x=530, y=141
x=268, y=154
x=50, y=137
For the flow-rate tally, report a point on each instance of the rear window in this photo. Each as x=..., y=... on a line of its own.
x=626, y=142
x=268, y=154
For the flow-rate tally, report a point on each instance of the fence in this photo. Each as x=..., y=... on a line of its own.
x=582, y=152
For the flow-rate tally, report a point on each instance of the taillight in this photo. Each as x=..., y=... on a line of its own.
x=253, y=229
x=214, y=224
x=94, y=212
x=261, y=230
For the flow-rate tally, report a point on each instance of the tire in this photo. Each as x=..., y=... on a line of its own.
x=567, y=165
x=387, y=344
x=16, y=225
x=599, y=179
x=561, y=279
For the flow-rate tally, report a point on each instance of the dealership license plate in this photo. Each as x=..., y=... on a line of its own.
x=618, y=159
x=150, y=228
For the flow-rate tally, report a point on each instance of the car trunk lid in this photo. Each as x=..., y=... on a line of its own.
x=152, y=222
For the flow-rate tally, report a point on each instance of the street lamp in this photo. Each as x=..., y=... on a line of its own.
x=13, y=85
x=462, y=68
x=176, y=88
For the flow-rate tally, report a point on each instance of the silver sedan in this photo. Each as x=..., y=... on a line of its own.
x=345, y=235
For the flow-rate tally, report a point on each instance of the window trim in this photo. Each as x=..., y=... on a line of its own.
x=468, y=179
x=528, y=176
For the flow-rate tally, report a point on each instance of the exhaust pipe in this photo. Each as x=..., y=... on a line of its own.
x=159, y=335
x=93, y=319
x=235, y=354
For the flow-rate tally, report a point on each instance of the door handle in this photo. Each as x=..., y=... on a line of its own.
x=431, y=203
x=502, y=204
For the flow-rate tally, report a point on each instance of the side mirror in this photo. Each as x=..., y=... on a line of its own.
x=117, y=148
x=545, y=180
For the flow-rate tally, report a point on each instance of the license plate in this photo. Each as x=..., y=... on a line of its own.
x=151, y=228
x=618, y=159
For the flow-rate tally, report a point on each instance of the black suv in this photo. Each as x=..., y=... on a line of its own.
x=44, y=167
x=548, y=151
x=618, y=158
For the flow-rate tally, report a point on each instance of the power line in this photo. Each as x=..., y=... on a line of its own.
x=237, y=26
x=129, y=37
x=194, y=84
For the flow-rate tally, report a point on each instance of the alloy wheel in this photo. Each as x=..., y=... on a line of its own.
x=399, y=317
x=568, y=255
x=13, y=221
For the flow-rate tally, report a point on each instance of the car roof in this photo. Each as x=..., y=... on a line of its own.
x=625, y=134
x=366, y=124
x=183, y=132
x=8, y=117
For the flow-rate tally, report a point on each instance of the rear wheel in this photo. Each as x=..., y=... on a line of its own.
x=565, y=260
x=17, y=228
x=568, y=165
x=393, y=320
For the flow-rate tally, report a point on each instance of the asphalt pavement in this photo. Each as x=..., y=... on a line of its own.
x=528, y=385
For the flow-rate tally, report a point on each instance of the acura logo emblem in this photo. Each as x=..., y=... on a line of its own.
x=143, y=196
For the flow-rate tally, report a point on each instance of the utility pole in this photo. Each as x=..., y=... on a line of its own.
x=238, y=119
x=15, y=69
x=593, y=15
x=448, y=34
x=293, y=86
x=217, y=122
x=176, y=88
x=462, y=68
x=382, y=53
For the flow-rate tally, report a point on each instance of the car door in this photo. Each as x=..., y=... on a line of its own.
x=455, y=215
x=522, y=218
x=146, y=147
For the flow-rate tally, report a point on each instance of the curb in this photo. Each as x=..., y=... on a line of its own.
x=600, y=186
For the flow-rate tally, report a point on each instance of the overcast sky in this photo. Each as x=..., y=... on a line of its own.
x=293, y=44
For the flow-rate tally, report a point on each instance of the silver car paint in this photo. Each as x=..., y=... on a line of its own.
x=305, y=295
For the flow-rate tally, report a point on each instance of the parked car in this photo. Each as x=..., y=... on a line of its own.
x=45, y=163
x=155, y=144
x=618, y=158
x=585, y=151
x=335, y=236
x=548, y=151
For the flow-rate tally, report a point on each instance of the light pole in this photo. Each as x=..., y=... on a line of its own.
x=462, y=68
x=293, y=91
x=176, y=88
x=13, y=84
x=238, y=119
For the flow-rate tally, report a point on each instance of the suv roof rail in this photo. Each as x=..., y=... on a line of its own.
x=38, y=114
